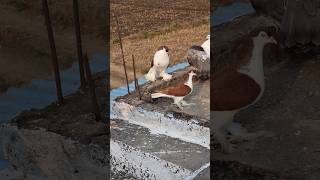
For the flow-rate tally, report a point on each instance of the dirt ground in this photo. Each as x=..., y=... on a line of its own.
x=148, y=24
x=24, y=48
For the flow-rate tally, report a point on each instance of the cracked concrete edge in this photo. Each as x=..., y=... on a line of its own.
x=160, y=123
x=143, y=165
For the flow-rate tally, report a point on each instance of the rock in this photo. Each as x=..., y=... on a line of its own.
x=47, y=155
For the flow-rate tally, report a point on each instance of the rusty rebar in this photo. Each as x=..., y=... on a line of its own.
x=121, y=46
x=54, y=58
x=136, y=83
x=79, y=43
x=92, y=89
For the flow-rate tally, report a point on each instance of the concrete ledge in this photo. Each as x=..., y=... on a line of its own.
x=160, y=123
x=166, y=148
x=143, y=165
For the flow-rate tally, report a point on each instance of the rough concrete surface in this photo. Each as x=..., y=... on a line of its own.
x=167, y=148
x=153, y=134
x=59, y=142
x=200, y=97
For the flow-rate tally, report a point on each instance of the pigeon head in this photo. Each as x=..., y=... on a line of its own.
x=191, y=73
x=163, y=48
x=263, y=38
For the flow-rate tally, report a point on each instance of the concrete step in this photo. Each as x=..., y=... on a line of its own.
x=166, y=123
x=139, y=153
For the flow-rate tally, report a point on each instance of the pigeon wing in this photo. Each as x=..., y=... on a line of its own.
x=231, y=90
x=179, y=90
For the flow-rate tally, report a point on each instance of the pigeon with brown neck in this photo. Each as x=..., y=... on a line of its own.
x=236, y=88
x=178, y=92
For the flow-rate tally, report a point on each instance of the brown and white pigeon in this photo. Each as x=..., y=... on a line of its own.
x=159, y=65
x=178, y=92
x=236, y=88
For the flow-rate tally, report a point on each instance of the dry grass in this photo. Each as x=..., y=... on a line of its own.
x=144, y=48
x=148, y=24
x=150, y=16
x=178, y=42
x=25, y=52
x=93, y=13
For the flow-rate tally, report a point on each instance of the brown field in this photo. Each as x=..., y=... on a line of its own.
x=148, y=24
x=24, y=48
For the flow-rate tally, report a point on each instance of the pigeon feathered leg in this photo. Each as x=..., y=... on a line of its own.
x=151, y=75
x=177, y=101
x=220, y=120
x=239, y=133
x=165, y=76
x=184, y=103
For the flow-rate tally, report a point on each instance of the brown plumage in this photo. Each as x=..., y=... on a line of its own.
x=179, y=90
x=231, y=90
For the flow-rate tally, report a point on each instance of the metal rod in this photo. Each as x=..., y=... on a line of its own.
x=92, y=91
x=136, y=83
x=121, y=46
x=134, y=73
x=54, y=58
x=79, y=43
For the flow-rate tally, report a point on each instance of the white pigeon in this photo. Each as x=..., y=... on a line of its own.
x=236, y=88
x=178, y=92
x=159, y=65
x=206, y=46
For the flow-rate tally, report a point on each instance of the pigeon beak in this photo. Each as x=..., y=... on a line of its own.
x=273, y=40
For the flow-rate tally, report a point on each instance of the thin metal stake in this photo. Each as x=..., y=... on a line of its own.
x=92, y=91
x=79, y=43
x=136, y=83
x=54, y=58
x=121, y=46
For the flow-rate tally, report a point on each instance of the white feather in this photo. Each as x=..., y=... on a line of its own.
x=206, y=46
x=161, y=60
x=160, y=63
x=158, y=95
x=151, y=75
